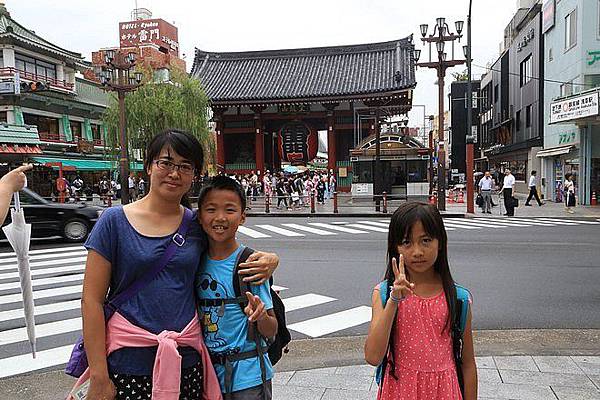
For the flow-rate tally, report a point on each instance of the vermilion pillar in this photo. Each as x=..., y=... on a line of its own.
x=259, y=146
x=331, y=157
x=220, y=139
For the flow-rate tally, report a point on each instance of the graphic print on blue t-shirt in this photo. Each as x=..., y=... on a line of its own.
x=225, y=329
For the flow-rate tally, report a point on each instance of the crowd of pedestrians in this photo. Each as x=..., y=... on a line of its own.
x=289, y=191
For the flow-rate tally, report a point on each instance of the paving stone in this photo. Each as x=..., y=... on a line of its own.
x=517, y=363
x=589, y=364
x=488, y=375
x=557, y=364
x=320, y=380
x=515, y=392
x=545, y=379
x=288, y=392
x=595, y=379
x=282, y=378
x=485, y=362
x=365, y=370
x=570, y=393
x=337, y=394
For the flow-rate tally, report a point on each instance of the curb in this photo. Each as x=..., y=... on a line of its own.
x=341, y=215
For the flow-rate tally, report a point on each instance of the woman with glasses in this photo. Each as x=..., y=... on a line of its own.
x=127, y=241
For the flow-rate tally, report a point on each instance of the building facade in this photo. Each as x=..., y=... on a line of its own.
x=512, y=91
x=572, y=60
x=458, y=128
x=58, y=128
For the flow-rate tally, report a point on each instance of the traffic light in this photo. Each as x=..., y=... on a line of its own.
x=32, y=87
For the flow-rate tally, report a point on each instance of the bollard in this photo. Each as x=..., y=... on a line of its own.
x=335, y=204
x=594, y=199
x=312, y=203
x=267, y=200
x=384, y=202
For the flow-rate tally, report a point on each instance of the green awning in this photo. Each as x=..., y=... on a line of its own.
x=87, y=164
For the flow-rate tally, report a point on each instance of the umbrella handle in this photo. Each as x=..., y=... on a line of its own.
x=17, y=201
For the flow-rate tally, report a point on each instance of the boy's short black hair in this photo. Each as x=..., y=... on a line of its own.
x=222, y=182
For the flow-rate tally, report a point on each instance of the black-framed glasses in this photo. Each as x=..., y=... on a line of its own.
x=184, y=169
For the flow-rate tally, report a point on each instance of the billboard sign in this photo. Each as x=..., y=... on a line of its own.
x=581, y=106
x=149, y=31
x=548, y=15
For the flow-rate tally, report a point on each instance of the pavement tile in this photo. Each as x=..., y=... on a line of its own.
x=329, y=381
x=289, y=392
x=282, y=378
x=545, y=379
x=570, y=393
x=518, y=363
x=337, y=394
x=514, y=391
x=589, y=364
x=557, y=364
x=485, y=362
x=488, y=375
x=365, y=370
x=595, y=379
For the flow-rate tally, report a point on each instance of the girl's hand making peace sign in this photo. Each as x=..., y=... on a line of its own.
x=401, y=287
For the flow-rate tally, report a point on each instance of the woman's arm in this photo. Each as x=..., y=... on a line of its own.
x=12, y=182
x=95, y=287
x=379, y=331
x=259, y=267
x=469, y=368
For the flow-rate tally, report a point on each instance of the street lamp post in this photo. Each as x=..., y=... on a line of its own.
x=118, y=75
x=441, y=34
x=469, y=172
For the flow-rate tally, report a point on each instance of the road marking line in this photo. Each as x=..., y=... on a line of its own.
x=338, y=222
x=41, y=330
x=44, y=251
x=46, y=271
x=45, y=263
x=280, y=231
x=310, y=230
x=24, y=363
x=576, y=221
x=374, y=223
x=512, y=222
x=336, y=228
x=478, y=224
x=385, y=220
x=45, y=281
x=557, y=221
x=368, y=227
x=278, y=288
x=330, y=323
x=452, y=225
x=251, y=232
x=13, y=260
x=304, y=301
x=42, y=294
x=41, y=310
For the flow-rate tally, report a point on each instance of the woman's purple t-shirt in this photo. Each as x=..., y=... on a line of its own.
x=167, y=302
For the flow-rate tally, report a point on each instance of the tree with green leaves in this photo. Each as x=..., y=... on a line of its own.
x=179, y=103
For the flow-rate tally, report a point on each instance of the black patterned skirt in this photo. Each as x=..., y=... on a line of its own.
x=139, y=387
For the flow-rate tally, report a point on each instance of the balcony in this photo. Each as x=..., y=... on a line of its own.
x=61, y=86
x=60, y=138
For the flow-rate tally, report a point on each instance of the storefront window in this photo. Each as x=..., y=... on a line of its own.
x=362, y=172
x=47, y=127
x=75, y=130
x=417, y=171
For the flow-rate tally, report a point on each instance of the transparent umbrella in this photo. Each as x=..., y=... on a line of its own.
x=18, y=234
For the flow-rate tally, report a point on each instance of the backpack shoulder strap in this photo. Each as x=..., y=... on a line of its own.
x=463, y=297
x=383, y=292
x=238, y=283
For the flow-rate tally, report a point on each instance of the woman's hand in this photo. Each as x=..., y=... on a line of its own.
x=15, y=179
x=259, y=267
x=401, y=287
x=101, y=388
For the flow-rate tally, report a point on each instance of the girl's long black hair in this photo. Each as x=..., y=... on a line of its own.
x=403, y=220
x=182, y=143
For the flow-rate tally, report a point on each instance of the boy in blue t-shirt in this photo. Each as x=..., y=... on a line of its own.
x=221, y=209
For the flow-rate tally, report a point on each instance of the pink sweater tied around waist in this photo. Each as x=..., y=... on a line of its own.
x=166, y=375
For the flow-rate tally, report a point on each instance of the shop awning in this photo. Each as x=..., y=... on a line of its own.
x=86, y=165
x=555, y=151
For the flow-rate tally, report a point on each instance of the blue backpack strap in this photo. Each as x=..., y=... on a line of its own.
x=383, y=295
x=463, y=295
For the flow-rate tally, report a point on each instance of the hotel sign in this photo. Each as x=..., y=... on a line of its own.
x=573, y=108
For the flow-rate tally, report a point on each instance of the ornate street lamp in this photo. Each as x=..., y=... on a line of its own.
x=441, y=34
x=119, y=75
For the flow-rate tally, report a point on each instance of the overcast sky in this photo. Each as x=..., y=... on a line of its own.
x=236, y=25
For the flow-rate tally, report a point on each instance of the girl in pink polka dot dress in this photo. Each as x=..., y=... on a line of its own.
x=413, y=332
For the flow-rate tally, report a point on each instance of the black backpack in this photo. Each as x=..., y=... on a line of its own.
x=277, y=345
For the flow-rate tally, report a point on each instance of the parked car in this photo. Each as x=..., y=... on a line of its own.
x=72, y=221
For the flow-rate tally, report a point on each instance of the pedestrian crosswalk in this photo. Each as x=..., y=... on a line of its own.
x=308, y=230
x=57, y=293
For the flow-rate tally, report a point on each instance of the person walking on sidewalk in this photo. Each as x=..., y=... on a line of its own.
x=569, y=188
x=508, y=192
x=486, y=185
x=412, y=334
x=533, y=190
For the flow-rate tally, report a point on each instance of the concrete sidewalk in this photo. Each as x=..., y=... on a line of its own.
x=500, y=377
